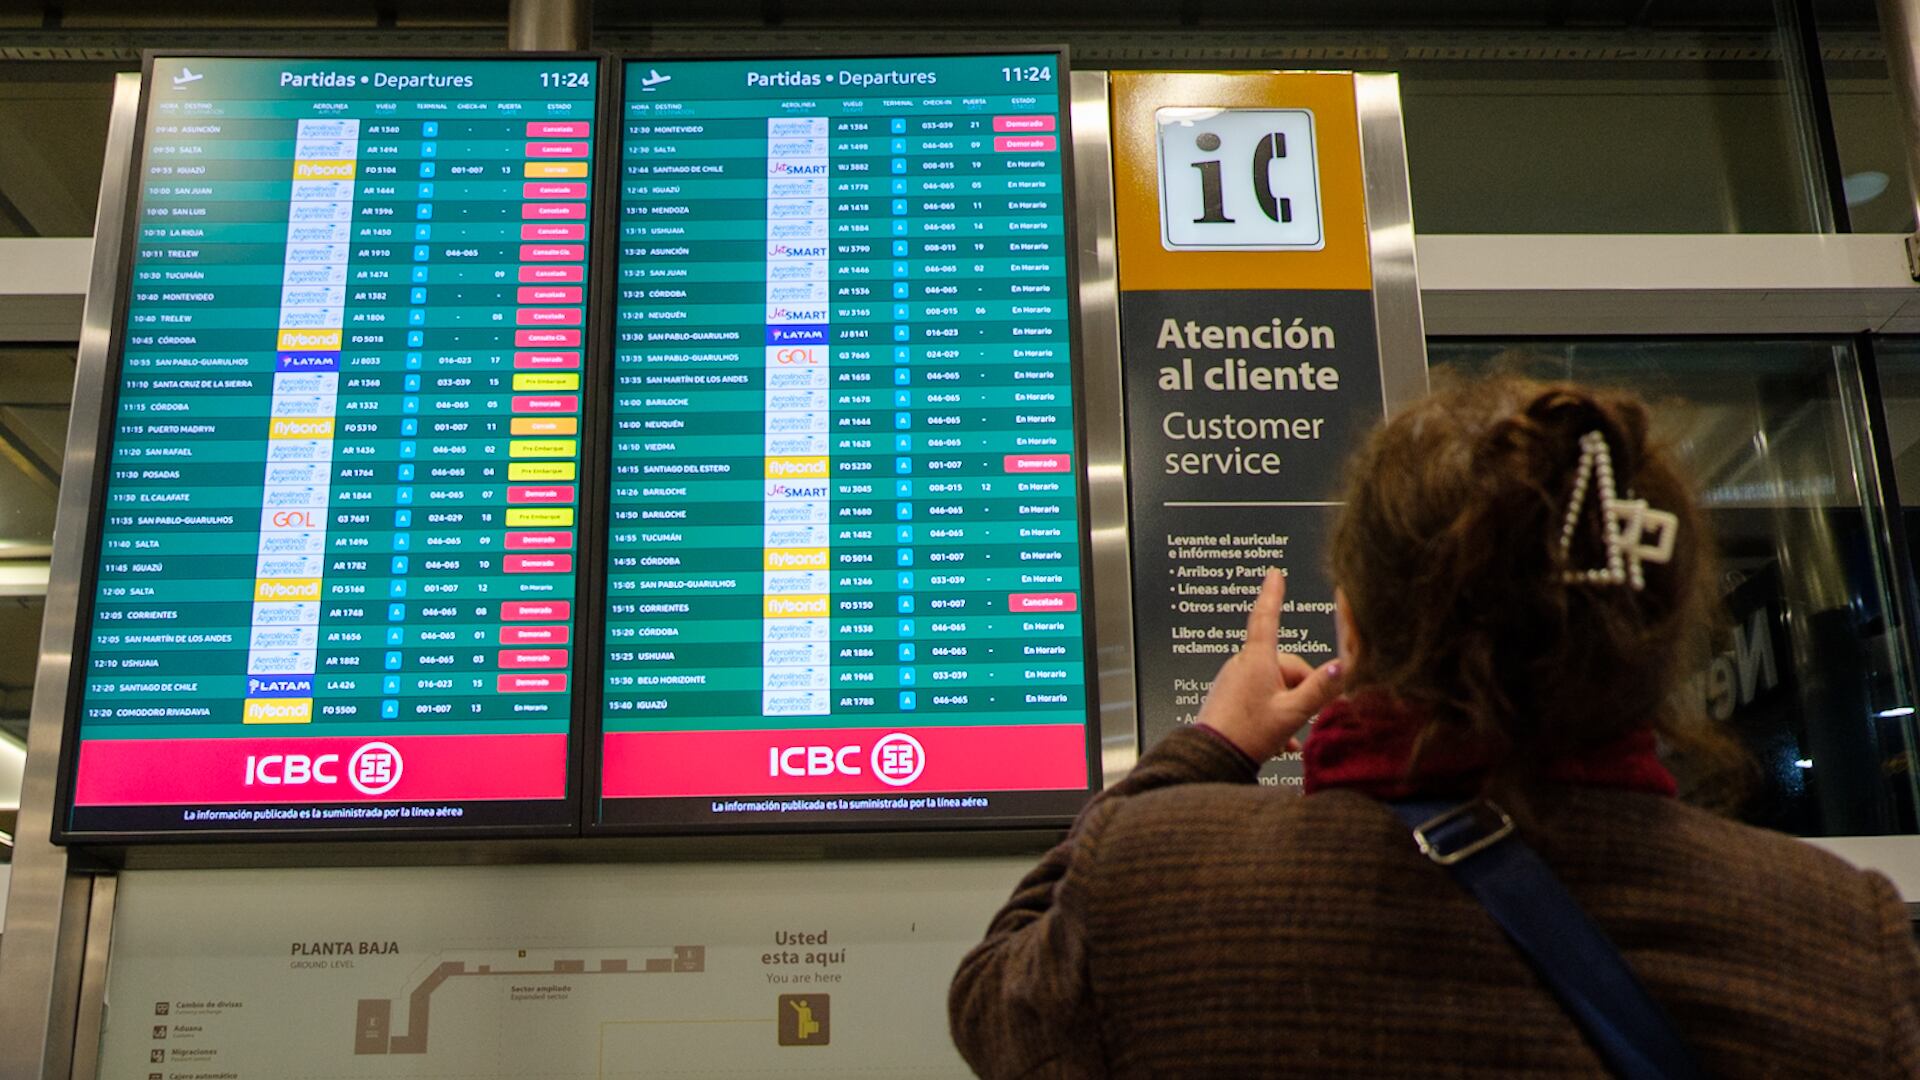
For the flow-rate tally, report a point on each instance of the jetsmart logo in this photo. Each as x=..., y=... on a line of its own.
x=789, y=168
x=788, y=251
x=797, y=491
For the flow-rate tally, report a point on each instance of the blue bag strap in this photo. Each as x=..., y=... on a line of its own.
x=1566, y=949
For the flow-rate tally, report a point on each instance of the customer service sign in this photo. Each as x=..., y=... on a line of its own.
x=1251, y=361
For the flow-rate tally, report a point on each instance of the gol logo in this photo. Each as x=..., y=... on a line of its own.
x=796, y=356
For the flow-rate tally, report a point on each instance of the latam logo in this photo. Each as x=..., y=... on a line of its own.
x=896, y=760
x=280, y=686
x=373, y=769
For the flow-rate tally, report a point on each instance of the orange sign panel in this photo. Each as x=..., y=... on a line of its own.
x=1238, y=180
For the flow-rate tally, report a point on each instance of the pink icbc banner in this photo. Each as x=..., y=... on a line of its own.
x=843, y=761
x=320, y=768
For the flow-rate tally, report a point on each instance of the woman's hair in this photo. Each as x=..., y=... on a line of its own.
x=1448, y=550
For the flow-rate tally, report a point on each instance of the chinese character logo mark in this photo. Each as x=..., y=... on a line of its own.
x=898, y=759
x=374, y=768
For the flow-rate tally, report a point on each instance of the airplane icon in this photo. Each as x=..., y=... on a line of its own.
x=653, y=78
x=187, y=75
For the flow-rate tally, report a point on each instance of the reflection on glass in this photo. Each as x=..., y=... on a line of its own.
x=1810, y=674
x=1867, y=128
x=36, y=385
x=1595, y=117
x=53, y=126
x=1651, y=138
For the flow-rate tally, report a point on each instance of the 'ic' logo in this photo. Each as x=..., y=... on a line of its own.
x=1238, y=179
x=374, y=768
x=898, y=759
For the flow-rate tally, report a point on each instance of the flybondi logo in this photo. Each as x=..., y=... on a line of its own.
x=797, y=559
x=373, y=769
x=796, y=468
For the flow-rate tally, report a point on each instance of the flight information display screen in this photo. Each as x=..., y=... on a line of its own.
x=336, y=562
x=845, y=528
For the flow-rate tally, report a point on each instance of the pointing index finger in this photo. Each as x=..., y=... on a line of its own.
x=1263, y=622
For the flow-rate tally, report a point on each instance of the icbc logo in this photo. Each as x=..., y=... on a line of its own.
x=374, y=769
x=897, y=760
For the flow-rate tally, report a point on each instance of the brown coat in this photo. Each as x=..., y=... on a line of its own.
x=1216, y=928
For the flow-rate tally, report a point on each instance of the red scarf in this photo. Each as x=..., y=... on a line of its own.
x=1366, y=744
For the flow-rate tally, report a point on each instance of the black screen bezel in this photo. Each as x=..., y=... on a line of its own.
x=566, y=819
x=1050, y=809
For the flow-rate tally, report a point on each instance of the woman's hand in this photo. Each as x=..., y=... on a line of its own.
x=1262, y=697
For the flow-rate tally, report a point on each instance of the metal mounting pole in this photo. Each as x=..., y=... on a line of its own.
x=1899, y=21
x=549, y=25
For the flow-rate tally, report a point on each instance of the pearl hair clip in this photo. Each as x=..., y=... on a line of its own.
x=1624, y=522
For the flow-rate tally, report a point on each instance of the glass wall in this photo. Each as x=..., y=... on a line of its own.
x=1589, y=117
x=53, y=123
x=1593, y=116
x=1813, y=675
x=35, y=389
x=1867, y=129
